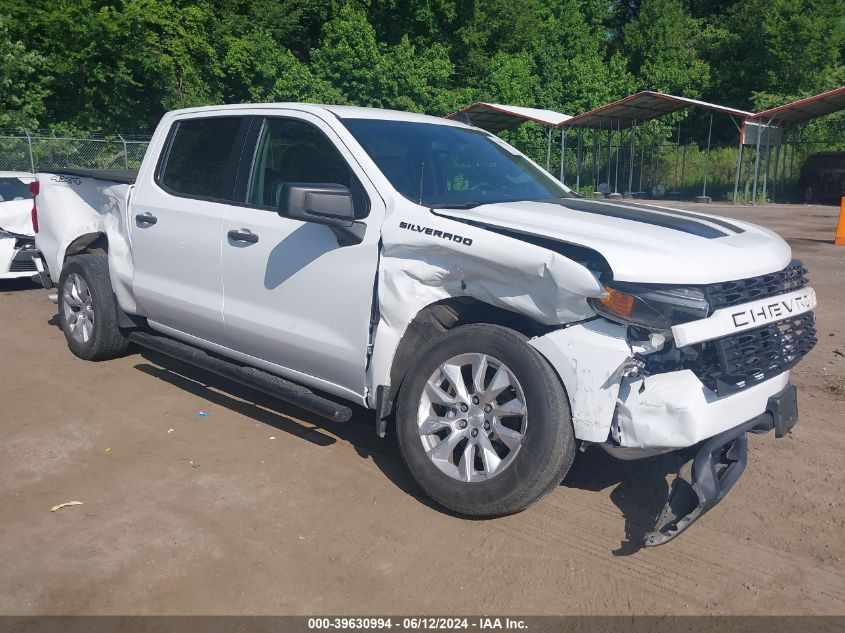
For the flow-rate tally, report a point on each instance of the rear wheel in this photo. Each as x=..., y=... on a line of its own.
x=87, y=309
x=484, y=422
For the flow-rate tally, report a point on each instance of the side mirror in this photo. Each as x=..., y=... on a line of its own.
x=320, y=203
x=328, y=204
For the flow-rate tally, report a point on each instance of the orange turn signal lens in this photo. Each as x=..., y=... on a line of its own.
x=618, y=302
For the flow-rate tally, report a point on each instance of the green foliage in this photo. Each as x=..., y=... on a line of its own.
x=22, y=83
x=119, y=64
x=744, y=197
x=662, y=47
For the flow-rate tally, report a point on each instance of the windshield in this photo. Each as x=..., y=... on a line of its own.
x=446, y=166
x=13, y=189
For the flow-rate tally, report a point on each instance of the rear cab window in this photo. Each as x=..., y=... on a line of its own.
x=202, y=156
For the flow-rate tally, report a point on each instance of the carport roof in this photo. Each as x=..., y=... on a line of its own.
x=805, y=109
x=644, y=106
x=496, y=117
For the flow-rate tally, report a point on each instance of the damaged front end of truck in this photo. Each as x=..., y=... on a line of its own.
x=690, y=370
x=649, y=368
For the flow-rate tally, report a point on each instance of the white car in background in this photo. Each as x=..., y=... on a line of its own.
x=17, y=238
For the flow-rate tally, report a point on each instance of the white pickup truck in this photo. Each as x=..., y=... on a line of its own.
x=430, y=272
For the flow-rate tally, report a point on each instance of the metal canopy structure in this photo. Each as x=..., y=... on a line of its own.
x=777, y=120
x=803, y=109
x=627, y=114
x=495, y=117
x=643, y=106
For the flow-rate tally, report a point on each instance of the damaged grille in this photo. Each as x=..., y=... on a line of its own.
x=731, y=293
x=741, y=360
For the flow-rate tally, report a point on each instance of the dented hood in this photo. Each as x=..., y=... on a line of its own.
x=643, y=243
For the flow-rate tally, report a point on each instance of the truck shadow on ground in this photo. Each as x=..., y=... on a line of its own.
x=359, y=431
x=640, y=491
x=641, y=488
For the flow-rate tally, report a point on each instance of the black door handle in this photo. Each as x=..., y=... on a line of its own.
x=146, y=218
x=243, y=235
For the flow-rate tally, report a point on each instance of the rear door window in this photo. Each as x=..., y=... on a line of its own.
x=202, y=157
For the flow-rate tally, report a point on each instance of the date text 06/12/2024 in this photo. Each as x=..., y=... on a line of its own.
x=417, y=623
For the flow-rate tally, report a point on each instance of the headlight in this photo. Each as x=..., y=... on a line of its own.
x=655, y=308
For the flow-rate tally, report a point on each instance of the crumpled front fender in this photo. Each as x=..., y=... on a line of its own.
x=590, y=359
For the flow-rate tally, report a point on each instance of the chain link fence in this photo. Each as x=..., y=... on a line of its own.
x=32, y=153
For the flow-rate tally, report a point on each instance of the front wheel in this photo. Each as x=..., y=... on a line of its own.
x=484, y=422
x=87, y=309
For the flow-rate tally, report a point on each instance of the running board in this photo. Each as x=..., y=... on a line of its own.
x=263, y=381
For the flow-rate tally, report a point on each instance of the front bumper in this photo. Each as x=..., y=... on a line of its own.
x=717, y=464
x=666, y=412
x=16, y=258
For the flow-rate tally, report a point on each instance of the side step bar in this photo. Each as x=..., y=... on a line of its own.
x=263, y=381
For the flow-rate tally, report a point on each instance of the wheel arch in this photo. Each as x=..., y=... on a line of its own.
x=96, y=241
x=431, y=322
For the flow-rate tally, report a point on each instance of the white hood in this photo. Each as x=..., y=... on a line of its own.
x=643, y=243
x=16, y=216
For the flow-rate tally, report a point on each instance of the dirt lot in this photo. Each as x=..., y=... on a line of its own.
x=259, y=509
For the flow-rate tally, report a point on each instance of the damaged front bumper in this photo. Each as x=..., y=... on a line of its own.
x=16, y=253
x=715, y=467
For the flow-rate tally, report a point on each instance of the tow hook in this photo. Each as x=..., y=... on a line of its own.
x=705, y=479
x=44, y=277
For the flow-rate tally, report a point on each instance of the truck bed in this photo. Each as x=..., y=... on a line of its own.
x=125, y=176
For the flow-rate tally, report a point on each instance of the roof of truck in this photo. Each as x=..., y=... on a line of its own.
x=340, y=111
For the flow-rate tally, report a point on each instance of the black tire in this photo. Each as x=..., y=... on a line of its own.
x=549, y=440
x=106, y=340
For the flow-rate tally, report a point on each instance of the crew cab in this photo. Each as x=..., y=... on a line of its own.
x=429, y=271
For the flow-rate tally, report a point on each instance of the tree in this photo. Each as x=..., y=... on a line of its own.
x=771, y=51
x=662, y=47
x=22, y=83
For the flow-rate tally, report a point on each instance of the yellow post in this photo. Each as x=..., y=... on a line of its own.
x=840, y=228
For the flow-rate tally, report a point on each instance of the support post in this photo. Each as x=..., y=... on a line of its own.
x=677, y=158
x=756, y=166
x=618, y=151
x=738, y=162
x=653, y=173
x=792, y=157
x=707, y=159
x=579, y=158
x=768, y=159
x=562, y=155
x=609, y=150
x=596, y=135
x=549, y=150
x=657, y=161
x=776, y=167
x=31, y=155
x=631, y=160
x=125, y=151
x=642, y=162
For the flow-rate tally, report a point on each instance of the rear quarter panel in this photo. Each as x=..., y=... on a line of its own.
x=70, y=207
